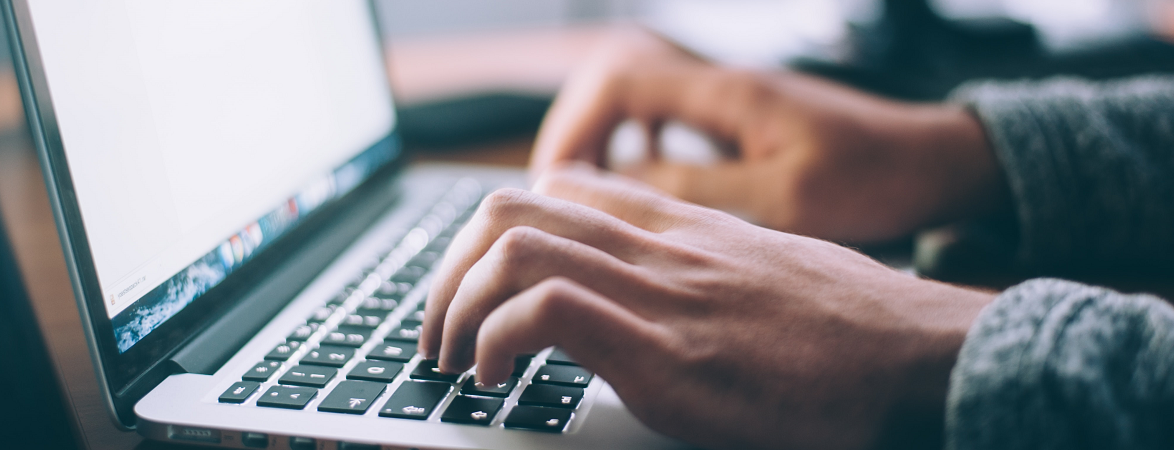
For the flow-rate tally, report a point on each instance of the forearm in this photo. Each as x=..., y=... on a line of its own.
x=1054, y=364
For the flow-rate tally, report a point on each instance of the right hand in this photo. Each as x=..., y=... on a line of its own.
x=812, y=157
x=711, y=330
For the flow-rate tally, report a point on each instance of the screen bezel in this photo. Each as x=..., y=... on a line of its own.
x=120, y=374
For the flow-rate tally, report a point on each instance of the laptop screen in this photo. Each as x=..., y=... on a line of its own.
x=196, y=133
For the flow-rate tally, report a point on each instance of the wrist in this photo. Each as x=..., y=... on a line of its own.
x=961, y=163
x=943, y=315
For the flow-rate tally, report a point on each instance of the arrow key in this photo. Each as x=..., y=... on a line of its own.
x=472, y=410
x=352, y=397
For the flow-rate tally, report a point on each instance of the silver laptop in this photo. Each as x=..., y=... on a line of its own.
x=249, y=252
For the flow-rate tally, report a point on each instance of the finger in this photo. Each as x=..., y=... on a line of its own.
x=599, y=334
x=624, y=198
x=505, y=209
x=595, y=100
x=725, y=185
x=521, y=258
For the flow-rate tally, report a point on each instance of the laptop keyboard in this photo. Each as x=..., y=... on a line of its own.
x=359, y=350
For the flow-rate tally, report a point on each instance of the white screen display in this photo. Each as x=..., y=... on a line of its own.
x=185, y=121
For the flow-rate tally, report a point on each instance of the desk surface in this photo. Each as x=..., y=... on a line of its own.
x=532, y=61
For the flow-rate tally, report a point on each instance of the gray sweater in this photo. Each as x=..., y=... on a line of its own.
x=1052, y=364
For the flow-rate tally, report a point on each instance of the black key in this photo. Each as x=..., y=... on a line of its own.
x=393, y=291
x=521, y=363
x=558, y=356
x=262, y=371
x=365, y=321
x=321, y=314
x=409, y=275
x=550, y=395
x=408, y=331
x=303, y=332
x=287, y=397
x=284, y=351
x=329, y=355
x=472, y=387
x=347, y=336
x=351, y=397
x=381, y=371
x=378, y=304
x=537, y=418
x=415, y=399
x=239, y=391
x=427, y=370
x=393, y=351
x=563, y=375
x=312, y=376
x=472, y=410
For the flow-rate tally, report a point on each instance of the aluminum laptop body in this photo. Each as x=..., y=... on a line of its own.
x=249, y=249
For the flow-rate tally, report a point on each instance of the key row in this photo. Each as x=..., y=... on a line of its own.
x=543, y=407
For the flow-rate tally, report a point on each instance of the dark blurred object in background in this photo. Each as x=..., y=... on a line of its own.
x=35, y=414
x=913, y=52
x=908, y=49
x=469, y=120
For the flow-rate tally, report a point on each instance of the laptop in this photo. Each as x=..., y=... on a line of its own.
x=249, y=249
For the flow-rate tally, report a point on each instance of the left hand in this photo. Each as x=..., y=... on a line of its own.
x=710, y=329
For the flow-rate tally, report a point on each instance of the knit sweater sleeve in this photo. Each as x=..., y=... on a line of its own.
x=1054, y=364
x=1090, y=167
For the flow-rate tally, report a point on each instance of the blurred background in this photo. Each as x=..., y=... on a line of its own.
x=914, y=49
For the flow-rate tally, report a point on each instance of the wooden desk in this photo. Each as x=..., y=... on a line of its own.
x=533, y=61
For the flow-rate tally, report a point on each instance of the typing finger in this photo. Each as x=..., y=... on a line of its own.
x=597, y=332
x=631, y=201
x=506, y=209
x=521, y=258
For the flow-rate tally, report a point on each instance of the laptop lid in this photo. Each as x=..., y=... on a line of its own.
x=185, y=141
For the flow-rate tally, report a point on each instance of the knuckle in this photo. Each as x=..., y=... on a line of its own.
x=518, y=244
x=558, y=179
x=553, y=298
x=743, y=86
x=504, y=203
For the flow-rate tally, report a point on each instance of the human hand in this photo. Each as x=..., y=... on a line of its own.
x=810, y=156
x=710, y=329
